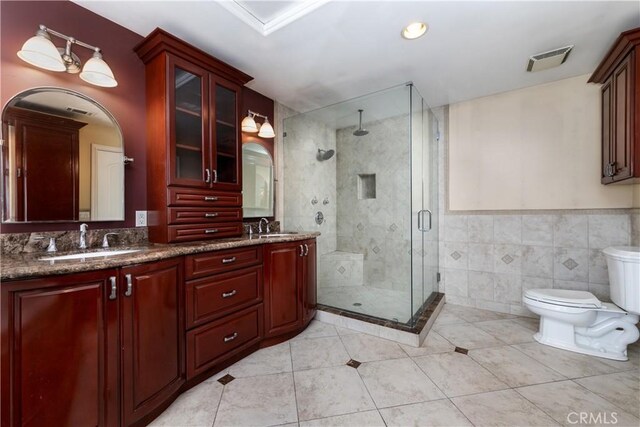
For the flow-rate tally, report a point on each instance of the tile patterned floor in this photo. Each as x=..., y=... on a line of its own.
x=505, y=379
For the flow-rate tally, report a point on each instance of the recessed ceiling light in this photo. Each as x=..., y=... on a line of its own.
x=414, y=30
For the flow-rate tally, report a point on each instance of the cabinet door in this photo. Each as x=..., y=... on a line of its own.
x=225, y=134
x=60, y=351
x=282, y=285
x=310, y=279
x=153, y=366
x=622, y=119
x=607, y=131
x=189, y=155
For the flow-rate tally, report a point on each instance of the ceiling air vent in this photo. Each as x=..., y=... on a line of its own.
x=550, y=59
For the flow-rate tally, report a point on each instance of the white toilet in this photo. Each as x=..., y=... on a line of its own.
x=578, y=321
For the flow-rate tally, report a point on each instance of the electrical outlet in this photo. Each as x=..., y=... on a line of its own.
x=141, y=218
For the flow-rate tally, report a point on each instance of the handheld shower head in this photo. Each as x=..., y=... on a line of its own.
x=360, y=131
x=324, y=154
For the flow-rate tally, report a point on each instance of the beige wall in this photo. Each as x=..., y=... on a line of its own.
x=92, y=134
x=533, y=148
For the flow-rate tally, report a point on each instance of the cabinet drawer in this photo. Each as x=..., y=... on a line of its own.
x=215, y=296
x=188, y=233
x=221, y=261
x=193, y=197
x=210, y=344
x=208, y=215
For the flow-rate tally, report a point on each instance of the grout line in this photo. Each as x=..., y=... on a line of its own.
x=293, y=380
x=218, y=406
x=537, y=407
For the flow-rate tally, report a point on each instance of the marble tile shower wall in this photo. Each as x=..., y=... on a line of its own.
x=490, y=260
x=306, y=178
x=378, y=228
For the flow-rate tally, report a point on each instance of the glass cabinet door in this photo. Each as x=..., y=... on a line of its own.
x=189, y=139
x=226, y=154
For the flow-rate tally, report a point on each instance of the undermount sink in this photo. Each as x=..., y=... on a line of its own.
x=266, y=236
x=99, y=254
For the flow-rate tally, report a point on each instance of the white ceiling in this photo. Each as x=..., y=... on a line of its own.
x=344, y=49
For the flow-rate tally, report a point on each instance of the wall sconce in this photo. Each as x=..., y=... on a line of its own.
x=249, y=125
x=40, y=51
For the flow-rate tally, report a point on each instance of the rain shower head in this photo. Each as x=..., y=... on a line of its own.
x=324, y=154
x=360, y=131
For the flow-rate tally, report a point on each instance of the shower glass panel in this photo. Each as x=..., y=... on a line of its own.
x=377, y=254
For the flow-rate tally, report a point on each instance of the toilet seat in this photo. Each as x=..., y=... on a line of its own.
x=564, y=298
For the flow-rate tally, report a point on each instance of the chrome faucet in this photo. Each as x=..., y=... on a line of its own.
x=52, y=245
x=266, y=221
x=105, y=239
x=83, y=235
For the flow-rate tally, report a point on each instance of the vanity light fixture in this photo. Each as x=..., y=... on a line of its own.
x=249, y=125
x=414, y=30
x=40, y=51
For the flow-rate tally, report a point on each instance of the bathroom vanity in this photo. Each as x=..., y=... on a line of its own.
x=114, y=340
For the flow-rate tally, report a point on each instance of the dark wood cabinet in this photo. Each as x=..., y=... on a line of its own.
x=290, y=281
x=60, y=351
x=619, y=74
x=152, y=325
x=194, y=140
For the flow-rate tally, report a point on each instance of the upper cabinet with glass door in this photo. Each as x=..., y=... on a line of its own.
x=194, y=186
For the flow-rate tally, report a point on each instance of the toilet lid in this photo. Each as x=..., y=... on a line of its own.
x=564, y=297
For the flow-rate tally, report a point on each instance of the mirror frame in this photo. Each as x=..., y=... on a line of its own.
x=269, y=150
x=4, y=148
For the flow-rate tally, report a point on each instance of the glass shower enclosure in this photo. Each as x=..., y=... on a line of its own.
x=363, y=172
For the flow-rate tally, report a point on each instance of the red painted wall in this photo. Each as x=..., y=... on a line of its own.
x=19, y=20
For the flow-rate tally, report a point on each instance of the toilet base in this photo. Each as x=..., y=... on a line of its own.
x=563, y=345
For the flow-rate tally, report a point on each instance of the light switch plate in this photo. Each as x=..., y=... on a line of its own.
x=141, y=218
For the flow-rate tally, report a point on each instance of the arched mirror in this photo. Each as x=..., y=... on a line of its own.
x=62, y=157
x=257, y=181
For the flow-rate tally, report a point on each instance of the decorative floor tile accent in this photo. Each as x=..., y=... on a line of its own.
x=376, y=249
x=341, y=269
x=570, y=263
x=353, y=363
x=455, y=255
x=507, y=259
x=393, y=227
x=461, y=350
x=226, y=379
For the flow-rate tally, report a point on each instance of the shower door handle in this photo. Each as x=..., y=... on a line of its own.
x=421, y=220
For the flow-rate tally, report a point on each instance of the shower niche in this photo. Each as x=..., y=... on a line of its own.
x=375, y=156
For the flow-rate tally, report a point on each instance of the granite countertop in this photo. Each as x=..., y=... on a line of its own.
x=29, y=265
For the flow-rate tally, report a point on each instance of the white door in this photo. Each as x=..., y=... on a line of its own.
x=107, y=183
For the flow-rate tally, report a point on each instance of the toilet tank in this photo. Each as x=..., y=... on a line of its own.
x=623, y=263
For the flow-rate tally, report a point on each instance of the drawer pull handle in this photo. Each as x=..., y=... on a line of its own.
x=228, y=260
x=231, y=337
x=210, y=198
x=213, y=230
x=229, y=294
x=211, y=215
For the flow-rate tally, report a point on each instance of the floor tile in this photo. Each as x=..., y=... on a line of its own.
x=367, y=348
x=434, y=343
x=565, y=400
x=397, y=382
x=456, y=374
x=367, y=418
x=531, y=323
x=568, y=363
x=621, y=389
x=445, y=318
x=472, y=315
x=194, y=408
x=467, y=336
x=436, y=413
x=258, y=401
x=513, y=367
x=270, y=360
x=332, y=391
x=316, y=329
x=318, y=353
x=501, y=408
x=346, y=331
x=506, y=330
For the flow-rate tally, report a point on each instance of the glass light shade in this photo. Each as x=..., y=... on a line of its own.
x=414, y=30
x=42, y=53
x=97, y=72
x=249, y=125
x=266, y=130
